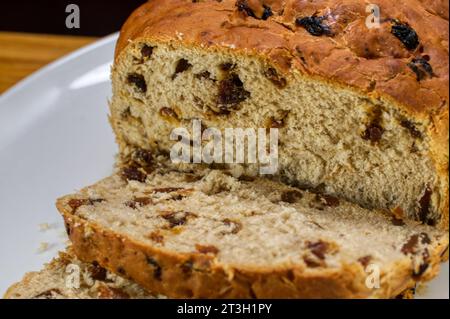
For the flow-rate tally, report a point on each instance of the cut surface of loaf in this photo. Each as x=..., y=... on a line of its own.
x=362, y=113
x=66, y=277
x=206, y=234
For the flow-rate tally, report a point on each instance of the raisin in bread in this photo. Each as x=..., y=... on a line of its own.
x=206, y=234
x=362, y=113
x=66, y=277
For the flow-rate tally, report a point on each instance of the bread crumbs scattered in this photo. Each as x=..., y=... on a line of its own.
x=44, y=227
x=43, y=247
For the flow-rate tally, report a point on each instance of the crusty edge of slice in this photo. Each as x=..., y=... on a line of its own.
x=108, y=288
x=194, y=275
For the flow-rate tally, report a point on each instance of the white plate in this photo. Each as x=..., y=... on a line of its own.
x=54, y=139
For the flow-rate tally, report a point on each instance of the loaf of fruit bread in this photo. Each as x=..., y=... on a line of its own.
x=66, y=277
x=362, y=110
x=207, y=234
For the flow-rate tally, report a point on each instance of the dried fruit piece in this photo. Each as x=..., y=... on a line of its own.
x=205, y=75
x=187, y=267
x=423, y=267
x=444, y=252
x=75, y=203
x=68, y=229
x=227, y=66
x=169, y=113
x=157, y=237
x=374, y=133
x=424, y=207
x=97, y=272
x=277, y=122
x=318, y=249
x=365, y=260
x=246, y=178
x=132, y=173
x=425, y=239
x=411, y=128
x=231, y=93
x=142, y=158
x=146, y=51
x=138, y=81
x=421, y=67
x=314, y=25
x=291, y=196
x=243, y=6
x=208, y=249
x=374, y=129
x=275, y=78
x=328, y=200
x=178, y=197
x=167, y=189
x=267, y=12
x=182, y=66
x=105, y=292
x=139, y=202
x=157, y=270
x=176, y=218
x=235, y=226
x=317, y=252
x=405, y=34
x=397, y=221
x=411, y=246
x=121, y=271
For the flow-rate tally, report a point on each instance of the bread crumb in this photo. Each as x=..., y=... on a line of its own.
x=44, y=227
x=43, y=247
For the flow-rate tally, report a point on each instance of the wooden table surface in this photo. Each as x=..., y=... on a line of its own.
x=23, y=53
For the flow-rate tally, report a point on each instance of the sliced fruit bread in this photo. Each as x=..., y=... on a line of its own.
x=66, y=277
x=209, y=235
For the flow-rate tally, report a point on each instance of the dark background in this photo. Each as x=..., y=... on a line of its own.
x=97, y=17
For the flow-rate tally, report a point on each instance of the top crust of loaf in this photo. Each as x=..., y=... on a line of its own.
x=347, y=52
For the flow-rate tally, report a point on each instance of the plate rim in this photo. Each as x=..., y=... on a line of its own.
x=29, y=79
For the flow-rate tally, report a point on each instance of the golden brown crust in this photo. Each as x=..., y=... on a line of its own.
x=193, y=275
x=52, y=282
x=372, y=61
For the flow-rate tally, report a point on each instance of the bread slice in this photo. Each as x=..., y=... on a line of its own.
x=362, y=113
x=205, y=234
x=66, y=277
